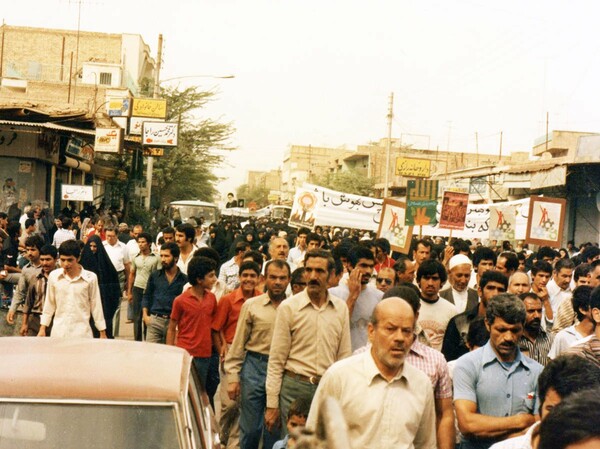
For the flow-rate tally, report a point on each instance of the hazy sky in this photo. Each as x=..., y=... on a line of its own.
x=321, y=72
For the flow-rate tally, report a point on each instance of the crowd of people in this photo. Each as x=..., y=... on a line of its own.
x=457, y=344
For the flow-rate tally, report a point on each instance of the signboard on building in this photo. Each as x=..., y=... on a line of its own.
x=118, y=107
x=154, y=151
x=72, y=192
x=122, y=122
x=80, y=149
x=149, y=107
x=160, y=134
x=135, y=125
x=108, y=140
x=413, y=168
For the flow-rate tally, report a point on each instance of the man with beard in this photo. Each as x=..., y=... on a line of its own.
x=246, y=361
x=436, y=312
x=360, y=297
x=163, y=287
x=387, y=403
x=535, y=341
x=540, y=276
x=459, y=275
x=455, y=340
x=495, y=387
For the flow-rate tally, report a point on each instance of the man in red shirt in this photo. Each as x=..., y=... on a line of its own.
x=223, y=327
x=193, y=314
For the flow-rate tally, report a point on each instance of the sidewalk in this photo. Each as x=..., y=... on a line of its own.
x=125, y=330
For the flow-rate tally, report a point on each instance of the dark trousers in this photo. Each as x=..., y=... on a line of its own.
x=139, y=327
x=253, y=403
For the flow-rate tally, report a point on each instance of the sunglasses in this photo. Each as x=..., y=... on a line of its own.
x=387, y=281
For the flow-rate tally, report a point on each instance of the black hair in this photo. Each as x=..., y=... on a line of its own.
x=483, y=253
x=70, y=248
x=477, y=335
x=406, y=293
x=546, y=251
x=49, y=250
x=358, y=252
x=582, y=270
x=541, y=266
x=66, y=222
x=339, y=267
x=430, y=267
x=241, y=247
x=564, y=426
x=493, y=276
x=581, y=300
x=383, y=244
x=400, y=265
x=567, y=374
x=188, y=230
x=34, y=240
x=211, y=253
x=172, y=248
x=146, y=236
x=199, y=267
x=313, y=237
x=590, y=252
x=299, y=407
x=304, y=231
x=29, y=222
x=321, y=254
x=249, y=265
x=13, y=229
x=168, y=230
x=461, y=246
x=506, y=306
x=564, y=263
x=512, y=261
x=256, y=256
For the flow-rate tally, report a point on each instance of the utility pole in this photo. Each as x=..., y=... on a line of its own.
x=155, y=94
x=500, y=158
x=547, y=122
x=390, y=116
x=477, y=146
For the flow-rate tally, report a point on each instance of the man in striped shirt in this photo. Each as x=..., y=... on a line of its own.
x=535, y=341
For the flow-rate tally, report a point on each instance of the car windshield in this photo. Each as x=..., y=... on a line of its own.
x=182, y=213
x=73, y=426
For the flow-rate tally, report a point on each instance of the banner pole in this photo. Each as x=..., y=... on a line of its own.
x=420, y=232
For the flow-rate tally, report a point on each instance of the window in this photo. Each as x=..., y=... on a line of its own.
x=106, y=78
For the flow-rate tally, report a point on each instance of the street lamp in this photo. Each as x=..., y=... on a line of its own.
x=150, y=162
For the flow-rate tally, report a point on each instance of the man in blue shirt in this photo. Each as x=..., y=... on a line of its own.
x=495, y=387
x=163, y=286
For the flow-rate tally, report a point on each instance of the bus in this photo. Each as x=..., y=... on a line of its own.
x=182, y=210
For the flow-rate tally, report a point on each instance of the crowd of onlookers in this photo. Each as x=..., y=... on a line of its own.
x=458, y=343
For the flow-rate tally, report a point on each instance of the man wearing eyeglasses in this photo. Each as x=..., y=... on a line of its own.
x=386, y=279
x=360, y=297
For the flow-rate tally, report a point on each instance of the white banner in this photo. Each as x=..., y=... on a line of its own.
x=71, y=192
x=345, y=209
x=477, y=224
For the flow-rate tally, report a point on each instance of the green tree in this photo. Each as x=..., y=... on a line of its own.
x=258, y=194
x=347, y=181
x=186, y=171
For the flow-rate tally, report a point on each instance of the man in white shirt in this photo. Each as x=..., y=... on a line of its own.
x=132, y=245
x=296, y=256
x=72, y=297
x=63, y=233
x=360, y=297
x=119, y=256
x=559, y=287
x=436, y=312
x=387, y=403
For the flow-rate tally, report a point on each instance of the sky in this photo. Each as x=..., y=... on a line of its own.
x=320, y=72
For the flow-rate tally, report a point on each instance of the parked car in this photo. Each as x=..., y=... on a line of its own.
x=92, y=393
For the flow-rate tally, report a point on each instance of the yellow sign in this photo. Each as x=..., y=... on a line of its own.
x=154, y=152
x=149, y=107
x=413, y=168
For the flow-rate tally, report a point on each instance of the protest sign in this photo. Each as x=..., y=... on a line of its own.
x=503, y=222
x=454, y=210
x=421, y=202
x=391, y=226
x=546, y=221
